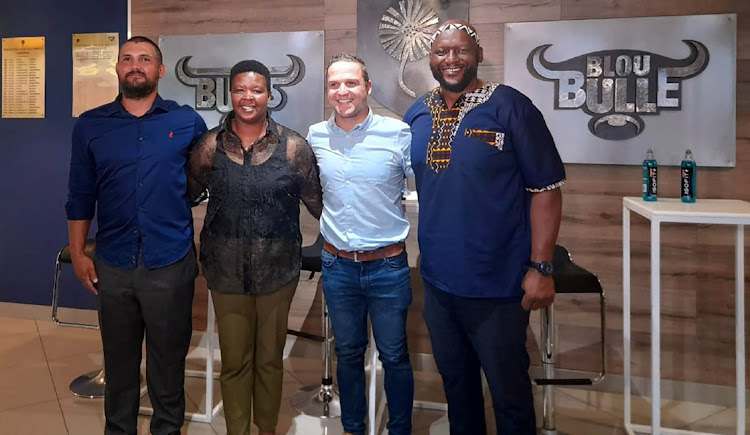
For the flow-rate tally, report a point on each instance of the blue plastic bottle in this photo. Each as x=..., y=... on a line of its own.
x=649, y=176
x=688, y=171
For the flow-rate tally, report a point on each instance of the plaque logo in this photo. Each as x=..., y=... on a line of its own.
x=212, y=84
x=617, y=87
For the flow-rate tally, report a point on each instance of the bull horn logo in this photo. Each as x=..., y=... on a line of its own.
x=617, y=87
x=212, y=84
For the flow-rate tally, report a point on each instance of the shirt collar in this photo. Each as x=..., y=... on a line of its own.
x=479, y=95
x=262, y=142
x=362, y=126
x=116, y=106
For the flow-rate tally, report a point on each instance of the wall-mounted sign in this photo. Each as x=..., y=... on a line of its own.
x=198, y=68
x=611, y=89
x=393, y=38
x=94, y=76
x=23, y=77
x=617, y=87
x=212, y=84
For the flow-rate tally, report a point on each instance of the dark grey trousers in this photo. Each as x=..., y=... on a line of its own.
x=157, y=303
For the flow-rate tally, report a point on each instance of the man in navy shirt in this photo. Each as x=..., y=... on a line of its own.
x=488, y=177
x=128, y=160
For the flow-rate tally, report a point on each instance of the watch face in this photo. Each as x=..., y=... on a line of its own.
x=544, y=267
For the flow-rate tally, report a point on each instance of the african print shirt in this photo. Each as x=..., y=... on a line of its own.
x=476, y=166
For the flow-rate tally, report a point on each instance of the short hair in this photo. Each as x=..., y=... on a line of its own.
x=348, y=57
x=245, y=66
x=139, y=39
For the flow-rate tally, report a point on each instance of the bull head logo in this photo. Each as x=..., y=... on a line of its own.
x=617, y=87
x=212, y=84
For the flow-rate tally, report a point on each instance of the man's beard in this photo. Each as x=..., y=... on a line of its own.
x=136, y=91
x=470, y=73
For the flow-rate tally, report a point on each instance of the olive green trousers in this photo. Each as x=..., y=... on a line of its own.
x=252, y=334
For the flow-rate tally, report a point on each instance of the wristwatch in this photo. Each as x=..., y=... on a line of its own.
x=544, y=268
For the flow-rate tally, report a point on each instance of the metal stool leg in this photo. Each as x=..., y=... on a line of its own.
x=375, y=409
x=322, y=400
x=89, y=385
x=548, y=362
x=56, y=299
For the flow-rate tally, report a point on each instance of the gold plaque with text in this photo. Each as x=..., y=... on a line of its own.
x=94, y=77
x=23, y=77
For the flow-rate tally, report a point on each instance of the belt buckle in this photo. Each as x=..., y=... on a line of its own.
x=356, y=260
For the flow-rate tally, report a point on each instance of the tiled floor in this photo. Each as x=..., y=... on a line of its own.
x=38, y=360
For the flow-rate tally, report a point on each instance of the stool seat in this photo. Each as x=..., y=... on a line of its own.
x=570, y=277
x=89, y=249
x=311, y=256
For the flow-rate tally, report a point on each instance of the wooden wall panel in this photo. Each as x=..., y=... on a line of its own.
x=697, y=261
x=499, y=11
x=340, y=15
x=580, y=9
x=492, y=37
x=193, y=17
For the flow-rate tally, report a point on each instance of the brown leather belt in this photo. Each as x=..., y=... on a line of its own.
x=376, y=254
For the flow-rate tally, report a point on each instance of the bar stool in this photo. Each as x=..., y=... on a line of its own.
x=322, y=400
x=569, y=278
x=89, y=385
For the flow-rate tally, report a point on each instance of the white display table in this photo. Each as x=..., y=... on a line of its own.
x=669, y=210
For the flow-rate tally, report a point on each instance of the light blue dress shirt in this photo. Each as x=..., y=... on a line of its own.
x=362, y=174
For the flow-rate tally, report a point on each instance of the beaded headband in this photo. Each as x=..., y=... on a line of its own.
x=455, y=26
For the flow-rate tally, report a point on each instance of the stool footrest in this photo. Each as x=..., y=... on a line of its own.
x=574, y=381
x=306, y=335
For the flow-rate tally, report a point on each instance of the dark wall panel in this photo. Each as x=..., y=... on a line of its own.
x=35, y=153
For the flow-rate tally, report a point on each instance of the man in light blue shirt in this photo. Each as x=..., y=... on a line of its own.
x=363, y=159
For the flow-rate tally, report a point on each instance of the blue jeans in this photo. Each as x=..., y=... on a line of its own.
x=380, y=288
x=488, y=333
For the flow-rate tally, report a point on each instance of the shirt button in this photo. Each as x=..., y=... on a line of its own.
x=348, y=206
x=350, y=230
x=135, y=231
x=140, y=138
x=347, y=181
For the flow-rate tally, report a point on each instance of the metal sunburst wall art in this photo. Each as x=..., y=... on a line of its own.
x=405, y=34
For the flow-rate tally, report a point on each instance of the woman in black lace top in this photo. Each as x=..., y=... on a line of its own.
x=256, y=172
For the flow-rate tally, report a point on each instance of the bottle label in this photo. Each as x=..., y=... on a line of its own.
x=687, y=189
x=651, y=188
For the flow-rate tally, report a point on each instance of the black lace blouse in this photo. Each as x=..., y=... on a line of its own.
x=251, y=240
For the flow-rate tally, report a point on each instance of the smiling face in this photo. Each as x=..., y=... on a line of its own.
x=138, y=70
x=250, y=97
x=454, y=60
x=348, y=91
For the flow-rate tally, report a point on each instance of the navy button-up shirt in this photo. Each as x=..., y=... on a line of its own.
x=133, y=170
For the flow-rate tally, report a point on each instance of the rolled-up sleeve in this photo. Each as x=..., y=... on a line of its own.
x=81, y=203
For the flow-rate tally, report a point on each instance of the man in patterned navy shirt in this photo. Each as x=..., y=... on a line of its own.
x=488, y=177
